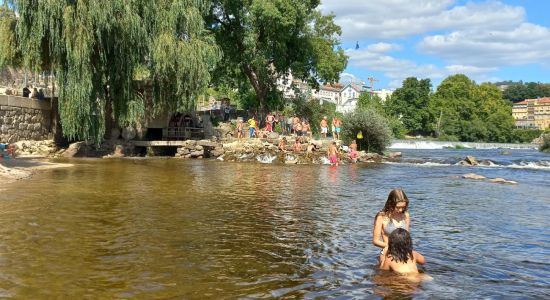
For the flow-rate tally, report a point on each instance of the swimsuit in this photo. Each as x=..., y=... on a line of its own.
x=391, y=226
x=333, y=159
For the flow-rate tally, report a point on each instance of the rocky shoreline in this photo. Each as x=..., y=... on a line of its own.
x=36, y=155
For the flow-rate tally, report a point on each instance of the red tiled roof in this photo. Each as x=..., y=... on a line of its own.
x=539, y=100
x=332, y=87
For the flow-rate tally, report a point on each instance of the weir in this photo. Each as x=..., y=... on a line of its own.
x=417, y=144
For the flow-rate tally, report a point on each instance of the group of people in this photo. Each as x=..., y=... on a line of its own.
x=391, y=234
x=293, y=125
x=35, y=93
x=336, y=127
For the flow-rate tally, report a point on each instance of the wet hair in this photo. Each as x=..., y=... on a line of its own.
x=394, y=197
x=400, y=246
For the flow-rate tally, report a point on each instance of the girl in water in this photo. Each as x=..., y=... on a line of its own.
x=393, y=216
x=400, y=256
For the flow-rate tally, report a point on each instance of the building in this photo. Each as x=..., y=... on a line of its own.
x=532, y=113
x=383, y=94
x=349, y=96
x=345, y=97
x=328, y=93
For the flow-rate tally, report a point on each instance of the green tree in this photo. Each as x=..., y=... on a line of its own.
x=373, y=126
x=8, y=46
x=266, y=40
x=409, y=104
x=469, y=112
x=531, y=90
x=372, y=101
x=97, y=48
x=312, y=110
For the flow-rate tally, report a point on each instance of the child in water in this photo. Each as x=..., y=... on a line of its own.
x=400, y=256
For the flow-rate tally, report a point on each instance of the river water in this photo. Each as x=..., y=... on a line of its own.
x=198, y=229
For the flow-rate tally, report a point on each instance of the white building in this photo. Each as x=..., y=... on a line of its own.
x=383, y=94
x=344, y=96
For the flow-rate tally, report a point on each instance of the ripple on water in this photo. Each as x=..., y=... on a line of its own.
x=199, y=229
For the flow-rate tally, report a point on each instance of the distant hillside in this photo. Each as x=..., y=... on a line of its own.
x=519, y=90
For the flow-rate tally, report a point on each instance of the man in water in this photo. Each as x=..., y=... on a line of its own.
x=353, y=151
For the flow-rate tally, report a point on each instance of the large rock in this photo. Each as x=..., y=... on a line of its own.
x=503, y=181
x=128, y=133
x=74, y=149
x=394, y=154
x=471, y=160
x=473, y=176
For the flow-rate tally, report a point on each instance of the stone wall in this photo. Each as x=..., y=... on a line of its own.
x=24, y=119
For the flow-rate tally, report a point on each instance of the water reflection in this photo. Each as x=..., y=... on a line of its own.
x=206, y=229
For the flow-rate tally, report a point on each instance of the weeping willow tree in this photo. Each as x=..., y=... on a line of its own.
x=96, y=48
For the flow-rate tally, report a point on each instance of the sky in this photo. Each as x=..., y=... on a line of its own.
x=488, y=41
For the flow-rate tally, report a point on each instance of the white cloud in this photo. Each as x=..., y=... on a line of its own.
x=383, y=47
x=361, y=19
x=525, y=44
x=398, y=69
x=476, y=39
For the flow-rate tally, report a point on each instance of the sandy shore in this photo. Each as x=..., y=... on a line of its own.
x=24, y=167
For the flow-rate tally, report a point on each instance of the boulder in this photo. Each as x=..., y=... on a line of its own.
x=471, y=160
x=74, y=149
x=503, y=181
x=473, y=176
x=394, y=154
x=128, y=133
x=273, y=135
x=207, y=143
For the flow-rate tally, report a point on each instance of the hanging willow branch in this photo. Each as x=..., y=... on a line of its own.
x=96, y=47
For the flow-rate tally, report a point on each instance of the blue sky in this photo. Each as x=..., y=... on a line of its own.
x=485, y=40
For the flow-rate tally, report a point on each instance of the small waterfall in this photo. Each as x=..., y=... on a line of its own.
x=413, y=144
x=324, y=160
x=266, y=158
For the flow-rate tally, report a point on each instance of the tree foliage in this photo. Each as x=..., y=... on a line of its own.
x=471, y=112
x=8, y=46
x=531, y=90
x=545, y=146
x=409, y=104
x=96, y=48
x=373, y=101
x=312, y=110
x=374, y=127
x=264, y=40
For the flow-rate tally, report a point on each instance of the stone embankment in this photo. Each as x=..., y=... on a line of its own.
x=266, y=151
x=24, y=119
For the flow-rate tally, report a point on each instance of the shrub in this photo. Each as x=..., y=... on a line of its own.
x=545, y=147
x=520, y=135
x=375, y=129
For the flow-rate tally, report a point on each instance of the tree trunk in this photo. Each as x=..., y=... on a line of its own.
x=259, y=88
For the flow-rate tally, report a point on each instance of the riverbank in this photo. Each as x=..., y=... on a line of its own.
x=24, y=167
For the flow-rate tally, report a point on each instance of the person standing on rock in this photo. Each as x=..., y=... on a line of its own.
x=324, y=127
x=337, y=127
x=270, y=120
x=252, y=127
x=239, y=129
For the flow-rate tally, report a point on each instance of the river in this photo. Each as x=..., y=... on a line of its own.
x=204, y=229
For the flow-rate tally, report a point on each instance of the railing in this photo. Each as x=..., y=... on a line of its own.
x=182, y=133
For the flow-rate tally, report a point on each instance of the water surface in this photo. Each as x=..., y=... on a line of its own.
x=168, y=228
